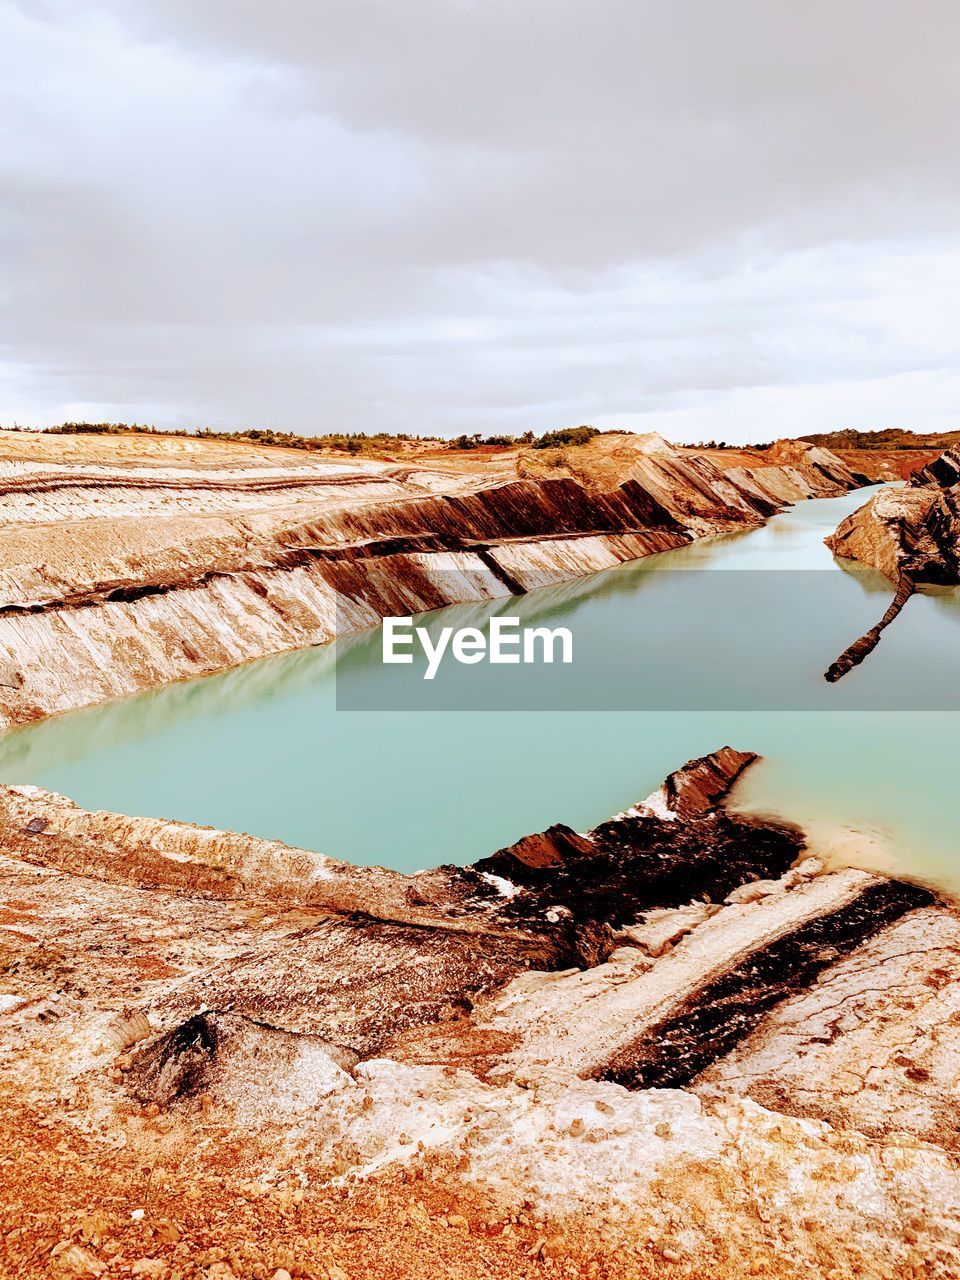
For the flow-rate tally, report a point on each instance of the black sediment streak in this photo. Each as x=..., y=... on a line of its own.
x=673, y=1052
x=551, y=510
x=630, y=865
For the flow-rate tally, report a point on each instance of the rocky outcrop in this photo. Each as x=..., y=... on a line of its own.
x=912, y=535
x=675, y=1044
x=681, y=845
x=943, y=471
x=117, y=576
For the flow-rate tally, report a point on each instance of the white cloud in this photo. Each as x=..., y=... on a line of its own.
x=728, y=220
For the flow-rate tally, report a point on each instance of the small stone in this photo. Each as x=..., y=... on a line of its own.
x=149, y=1267
x=138, y=1215
x=77, y=1261
x=808, y=868
x=663, y=1130
x=458, y=1220
x=753, y=891
x=576, y=1128
x=282, y=1273
x=221, y=1271
x=94, y=1227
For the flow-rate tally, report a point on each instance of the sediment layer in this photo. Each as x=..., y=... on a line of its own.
x=674, y=1045
x=117, y=576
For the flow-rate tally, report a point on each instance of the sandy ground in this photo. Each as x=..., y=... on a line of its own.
x=66, y=1212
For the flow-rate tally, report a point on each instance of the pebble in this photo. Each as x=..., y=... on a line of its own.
x=77, y=1261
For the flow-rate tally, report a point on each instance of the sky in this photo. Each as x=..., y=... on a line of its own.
x=733, y=220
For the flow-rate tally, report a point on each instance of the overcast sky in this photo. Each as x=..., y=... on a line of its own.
x=735, y=219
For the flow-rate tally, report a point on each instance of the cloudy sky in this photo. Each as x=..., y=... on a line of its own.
x=732, y=220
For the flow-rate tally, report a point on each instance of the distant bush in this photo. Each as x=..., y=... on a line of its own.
x=109, y=429
x=893, y=438
x=351, y=442
x=476, y=441
x=348, y=442
x=566, y=436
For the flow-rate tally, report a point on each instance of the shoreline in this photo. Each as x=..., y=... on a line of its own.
x=179, y=596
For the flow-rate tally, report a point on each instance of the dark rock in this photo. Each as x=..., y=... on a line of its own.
x=630, y=864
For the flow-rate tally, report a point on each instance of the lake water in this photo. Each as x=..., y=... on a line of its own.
x=721, y=642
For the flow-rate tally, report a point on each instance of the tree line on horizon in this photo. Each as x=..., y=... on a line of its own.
x=358, y=442
x=347, y=441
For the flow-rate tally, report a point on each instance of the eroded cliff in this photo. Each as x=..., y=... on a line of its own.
x=675, y=1045
x=122, y=571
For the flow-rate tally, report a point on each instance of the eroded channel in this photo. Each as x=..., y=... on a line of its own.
x=722, y=641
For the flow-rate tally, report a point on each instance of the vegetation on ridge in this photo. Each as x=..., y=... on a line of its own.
x=894, y=438
x=346, y=441
x=352, y=442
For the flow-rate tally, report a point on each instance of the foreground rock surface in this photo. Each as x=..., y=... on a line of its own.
x=912, y=535
x=671, y=1046
x=124, y=565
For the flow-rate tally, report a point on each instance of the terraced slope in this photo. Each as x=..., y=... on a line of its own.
x=118, y=574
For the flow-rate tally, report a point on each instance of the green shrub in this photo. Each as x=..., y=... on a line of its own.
x=566, y=436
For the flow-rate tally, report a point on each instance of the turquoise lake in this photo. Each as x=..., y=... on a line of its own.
x=721, y=642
